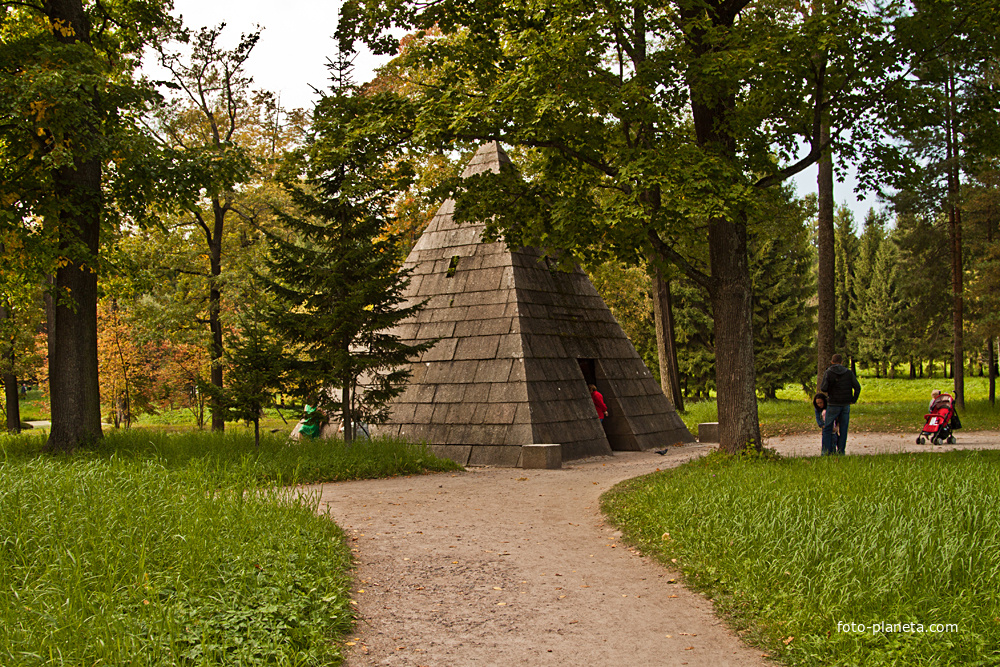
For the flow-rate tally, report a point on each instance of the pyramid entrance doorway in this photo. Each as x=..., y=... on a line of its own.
x=517, y=345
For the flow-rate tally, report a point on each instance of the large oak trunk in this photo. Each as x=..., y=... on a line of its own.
x=73, y=383
x=10, y=385
x=734, y=358
x=216, y=349
x=13, y=406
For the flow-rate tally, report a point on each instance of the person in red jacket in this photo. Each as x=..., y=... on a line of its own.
x=602, y=409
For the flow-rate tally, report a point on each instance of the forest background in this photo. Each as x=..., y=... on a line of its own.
x=187, y=178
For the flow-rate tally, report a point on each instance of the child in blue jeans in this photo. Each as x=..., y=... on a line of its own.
x=819, y=405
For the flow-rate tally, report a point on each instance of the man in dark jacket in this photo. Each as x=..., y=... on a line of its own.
x=842, y=390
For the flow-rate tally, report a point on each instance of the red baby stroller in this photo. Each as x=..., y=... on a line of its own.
x=940, y=421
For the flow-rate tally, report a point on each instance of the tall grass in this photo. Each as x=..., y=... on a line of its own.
x=185, y=549
x=793, y=548
x=115, y=561
x=277, y=460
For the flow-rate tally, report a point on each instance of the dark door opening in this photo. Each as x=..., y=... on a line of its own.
x=616, y=426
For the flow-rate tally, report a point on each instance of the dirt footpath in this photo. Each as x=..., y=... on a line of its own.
x=500, y=566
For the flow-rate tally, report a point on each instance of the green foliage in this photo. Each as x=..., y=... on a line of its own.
x=791, y=548
x=123, y=561
x=638, y=145
x=845, y=259
x=784, y=321
x=334, y=273
x=880, y=310
x=626, y=291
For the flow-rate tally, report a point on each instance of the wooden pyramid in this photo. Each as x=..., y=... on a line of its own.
x=518, y=345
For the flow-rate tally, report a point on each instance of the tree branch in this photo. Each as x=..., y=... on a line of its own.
x=690, y=270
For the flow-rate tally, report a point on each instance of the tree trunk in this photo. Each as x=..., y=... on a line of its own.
x=991, y=360
x=729, y=285
x=345, y=410
x=73, y=384
x=10, y=383
x=826, y=278
x=666, y=343
x=736, y=392
x=955, y=233
x=13, y=402
x=216, y=349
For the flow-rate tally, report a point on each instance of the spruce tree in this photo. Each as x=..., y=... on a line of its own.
x=846, y=255
x=869, y=243
x=335, y=271
x=924, y=286
x=784, y=321
x=880, y=322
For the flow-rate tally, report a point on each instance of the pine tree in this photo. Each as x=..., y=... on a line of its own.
x=335, y=272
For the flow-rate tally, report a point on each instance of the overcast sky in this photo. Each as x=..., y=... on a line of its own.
x=297, y=41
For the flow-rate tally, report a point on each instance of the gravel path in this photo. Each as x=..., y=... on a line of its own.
x=501, y=566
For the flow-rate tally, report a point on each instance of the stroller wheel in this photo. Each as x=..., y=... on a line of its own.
x=921, y=439
x=951, y=440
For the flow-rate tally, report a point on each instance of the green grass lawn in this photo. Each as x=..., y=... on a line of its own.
x=796, y=550
x=886, y=405
x=178, y=549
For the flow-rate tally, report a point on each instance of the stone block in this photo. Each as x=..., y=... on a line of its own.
x=544, y=457
x=456, y=434
x=522, y=414
x=494, y=298
x=477, y=347
x=457, y=453
x=430, y=330
x=494, y=455
x=520, y=434
x=502, y=392
x=461, y=413
x=422, y=413
x=510, y=346
x=402, y=413
x=450, y=393
x=468, y=328
x=494, y=370
x=486, y=311
x=440, y=413
x=443, y=350
x=485, y=280
x=476, y=393
x=500, y=413
x=421, y=393
x=454, y=372
x=708, y=432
